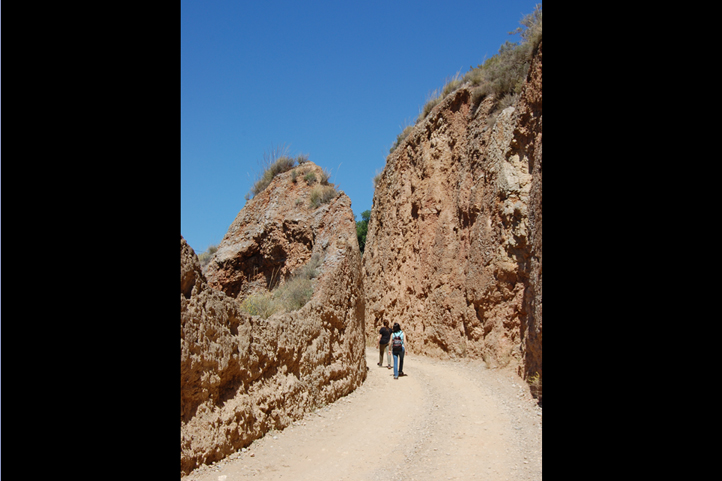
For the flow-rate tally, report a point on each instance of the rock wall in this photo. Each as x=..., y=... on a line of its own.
x=527, y=145
x=242, y=375
x=453, y=251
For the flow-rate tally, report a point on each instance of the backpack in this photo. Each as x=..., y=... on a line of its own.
x=397, y=343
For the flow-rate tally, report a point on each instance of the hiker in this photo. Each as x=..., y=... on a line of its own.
x=384, y=340
x=399, y=349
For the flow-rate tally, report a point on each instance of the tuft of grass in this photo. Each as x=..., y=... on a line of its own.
x=261, y=304
x=432, y=100
x=297, y=291
x=501, y=75
x=504, y=73
x=474, y=77
x=377, y=178
x=294, y=294
x=310, y=178
x=289, y=296
x=205, y=257
x=274, y=163
x=531, y=34
x=535, y=386
x=451, y=85
x=322, y=194
x=400, y=138
x=440, y=94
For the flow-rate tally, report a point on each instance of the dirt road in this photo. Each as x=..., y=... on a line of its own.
x=453, y=420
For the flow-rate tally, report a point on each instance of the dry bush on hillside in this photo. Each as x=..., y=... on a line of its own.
x=322, y=194
x=274, y=163
x=289, y=296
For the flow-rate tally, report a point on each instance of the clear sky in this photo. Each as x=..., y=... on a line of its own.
x=335, y=79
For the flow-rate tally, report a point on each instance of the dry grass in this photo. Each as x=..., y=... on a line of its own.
x=205, y=257
x=501, y=75
x=275, y=162
x=535, y=386
x=400, y=138
x=322, y=194
x=289, y=296
x=310, y=178
x=377, y=178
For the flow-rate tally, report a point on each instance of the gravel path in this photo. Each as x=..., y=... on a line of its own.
x=452, y=420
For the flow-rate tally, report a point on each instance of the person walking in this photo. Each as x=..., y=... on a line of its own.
x=399, y=350
x=384, y=340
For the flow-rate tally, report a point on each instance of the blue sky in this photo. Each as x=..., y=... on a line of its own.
x=337, y=80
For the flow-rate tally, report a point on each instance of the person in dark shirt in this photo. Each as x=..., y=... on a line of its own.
x=384, y=339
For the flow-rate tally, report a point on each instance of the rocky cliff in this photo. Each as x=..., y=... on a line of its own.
x=242, y=375
x=453, y=251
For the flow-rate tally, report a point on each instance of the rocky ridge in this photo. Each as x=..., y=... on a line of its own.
x=243, y=375
x=453, y=250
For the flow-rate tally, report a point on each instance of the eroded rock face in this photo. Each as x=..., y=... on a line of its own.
x=242, y=375
x=453, y=251
x=528, y=145
x=275, y=234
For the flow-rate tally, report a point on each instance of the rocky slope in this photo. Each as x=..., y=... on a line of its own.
x=242, y=375
x=453, y=250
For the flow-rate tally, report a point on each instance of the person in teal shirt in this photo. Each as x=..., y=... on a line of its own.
x=398, y=344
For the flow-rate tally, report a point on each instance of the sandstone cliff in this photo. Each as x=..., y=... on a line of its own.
x=453, y=251
x=242, y=375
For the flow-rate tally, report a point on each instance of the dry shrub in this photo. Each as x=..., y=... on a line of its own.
x=274, y=163
x=322, y=194
x=535, y=386
x=261, y=304
x=310, y=178
x=400, y=138
x=501, y=75
x=289, y=296
x=205, y=257
x=294, y=293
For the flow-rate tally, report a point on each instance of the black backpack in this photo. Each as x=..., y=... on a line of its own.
x=396, y=343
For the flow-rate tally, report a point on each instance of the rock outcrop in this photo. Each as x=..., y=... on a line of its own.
x=242, y=375
x=453, y=250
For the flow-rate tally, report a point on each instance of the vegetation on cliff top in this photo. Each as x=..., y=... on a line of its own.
x=502, y=75
x=277, y=162
x=274, y=162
